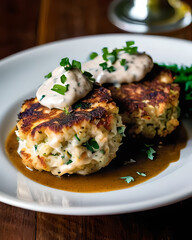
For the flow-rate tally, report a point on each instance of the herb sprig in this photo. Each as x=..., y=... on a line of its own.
x=183, y=76
x=112, y=57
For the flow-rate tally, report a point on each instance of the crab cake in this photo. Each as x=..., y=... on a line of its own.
x=81, y=140
x=149, y=108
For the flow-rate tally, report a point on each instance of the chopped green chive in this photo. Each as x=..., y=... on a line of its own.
x=60, y=89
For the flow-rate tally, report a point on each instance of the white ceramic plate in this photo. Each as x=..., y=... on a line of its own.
x=20, y=76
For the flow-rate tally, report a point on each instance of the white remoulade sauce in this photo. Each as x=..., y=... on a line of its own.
x=138, y=65
x=78, y=86
x=134, y=69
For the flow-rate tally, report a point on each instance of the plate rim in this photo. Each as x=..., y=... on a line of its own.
x=93, y=210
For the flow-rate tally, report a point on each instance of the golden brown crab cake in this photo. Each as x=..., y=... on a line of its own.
x=81, y=141
x=149, y=108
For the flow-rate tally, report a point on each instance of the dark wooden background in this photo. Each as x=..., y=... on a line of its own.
x=24, y=24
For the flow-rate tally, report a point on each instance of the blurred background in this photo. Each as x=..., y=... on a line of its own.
x=24, y=24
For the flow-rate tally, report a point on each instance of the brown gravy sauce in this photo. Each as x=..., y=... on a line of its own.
x=109, y=178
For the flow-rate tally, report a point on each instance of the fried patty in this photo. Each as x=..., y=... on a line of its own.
x=82, y=140
x=149, y=108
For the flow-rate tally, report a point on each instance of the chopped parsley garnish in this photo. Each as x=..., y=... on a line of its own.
x=65, y=63
x=123, y=63
x=110, y=56
x=150, y=152
x=66, y=110
x=105, y=67
x=128, y=179
x=121, y=130
x=183, y=76
x=77, y=137
x=76, y=64
x=91, y=145
x=60, y=89
x=48, y=75
x=130, y=48
x=35, y=146
x=63, y=78
x=89, y=76
x=41, y=97
x=69, y=162
x=141, y=174
x=93, y=55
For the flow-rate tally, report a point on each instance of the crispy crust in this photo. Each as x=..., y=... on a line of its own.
x=149, y=107
x=134, y=96
x=34, y=117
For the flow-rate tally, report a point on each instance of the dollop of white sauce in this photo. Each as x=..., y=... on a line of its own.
x=138, y=66
x=135, y=68
x=78, y=87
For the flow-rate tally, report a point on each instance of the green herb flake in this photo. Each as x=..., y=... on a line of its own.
x=69, y=162
x=35, y=146
x=128, y=179
x=141, y=174
x=91, y=145
x=66, y=110
x=49, y=75
x=103, y=65
x=111, y=69
x=60, y=89
x=77, y=137
x=76, y=64
x=89, y=76
x=123, y=63
x=41, y=97
x=121, y=130
x=93, y=55
x=65, y=63
x=129, y=48
x=150, y=151
x=63, y=78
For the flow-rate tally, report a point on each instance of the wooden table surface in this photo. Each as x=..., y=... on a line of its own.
x=24, y=24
